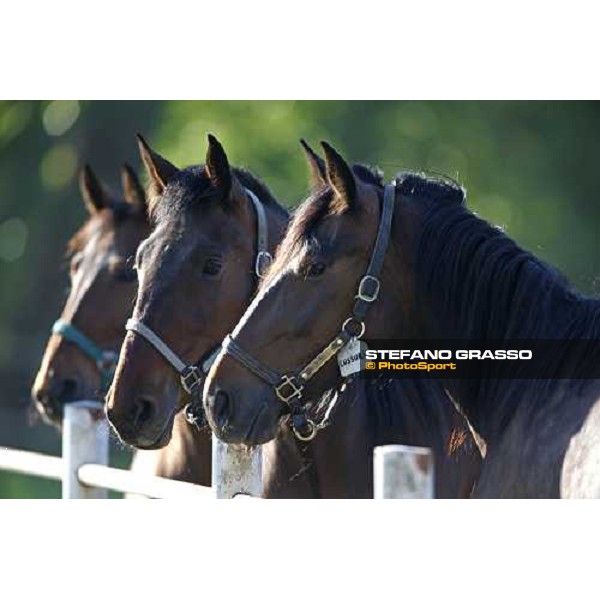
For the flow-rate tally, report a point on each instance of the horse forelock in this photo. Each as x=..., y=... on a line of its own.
x=299, y=231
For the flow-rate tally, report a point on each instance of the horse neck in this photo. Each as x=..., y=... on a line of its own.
x=374, y=413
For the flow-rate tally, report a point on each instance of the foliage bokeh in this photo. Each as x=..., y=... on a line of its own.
x=528, y=166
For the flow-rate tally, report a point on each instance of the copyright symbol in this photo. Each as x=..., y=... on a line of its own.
x=370, y=365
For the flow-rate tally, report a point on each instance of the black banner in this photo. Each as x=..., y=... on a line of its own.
x=468, y=359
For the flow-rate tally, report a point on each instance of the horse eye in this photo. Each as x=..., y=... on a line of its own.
x=212, y=266
x=316, y=269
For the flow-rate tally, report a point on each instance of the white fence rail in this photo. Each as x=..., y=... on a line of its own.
x=31, y=463
x=399, y=471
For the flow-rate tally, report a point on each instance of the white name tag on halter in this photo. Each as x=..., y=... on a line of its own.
x=351, y=357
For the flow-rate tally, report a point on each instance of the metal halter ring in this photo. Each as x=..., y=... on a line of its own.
x=312, y=432
x=350, y=320
x=194, y=415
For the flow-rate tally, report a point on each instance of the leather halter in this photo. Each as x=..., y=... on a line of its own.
x=288, y=386
x=105, y=360
x=192, y=375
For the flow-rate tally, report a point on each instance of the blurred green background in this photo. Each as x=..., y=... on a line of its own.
x=528, y=166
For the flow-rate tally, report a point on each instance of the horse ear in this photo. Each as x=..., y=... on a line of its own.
x=217, y=165
x=94, y=195
x=133, y=192
x=340, y=178
x=316, y=164
x=161, y=171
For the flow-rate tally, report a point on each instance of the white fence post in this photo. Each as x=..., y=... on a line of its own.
x=236, y=470
x=85, y=440
x=402, y=472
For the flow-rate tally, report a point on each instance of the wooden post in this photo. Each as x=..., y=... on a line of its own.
x=85, y=440
x=402, y=472
x=236, y=470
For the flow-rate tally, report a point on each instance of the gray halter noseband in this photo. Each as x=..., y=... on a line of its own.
x=288, y=387
x=192, y=375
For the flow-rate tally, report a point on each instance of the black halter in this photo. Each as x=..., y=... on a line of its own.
x=192, y=375
x=288, y=387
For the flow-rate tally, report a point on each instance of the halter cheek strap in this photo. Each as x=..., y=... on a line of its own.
x=263, y=257
x=288, y=387
x=106, y=360
x=368, y=288
x=192, y=375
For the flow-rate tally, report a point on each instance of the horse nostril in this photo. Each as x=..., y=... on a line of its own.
x=145, y=408
x=221, y=409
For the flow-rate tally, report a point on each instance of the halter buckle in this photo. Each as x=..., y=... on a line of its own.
x=364, y=293
x=190, y=378
x=294, y=391
x=263, y=262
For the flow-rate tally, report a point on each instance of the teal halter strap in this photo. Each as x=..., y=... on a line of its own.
x=105, y=360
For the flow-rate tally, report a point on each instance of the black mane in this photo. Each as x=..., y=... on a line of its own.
x=493, y=289
x=480, y=285
x=432, y=187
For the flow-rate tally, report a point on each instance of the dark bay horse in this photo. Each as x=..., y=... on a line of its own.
x=77, y=362
x=446, y=275
x=196, y=278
